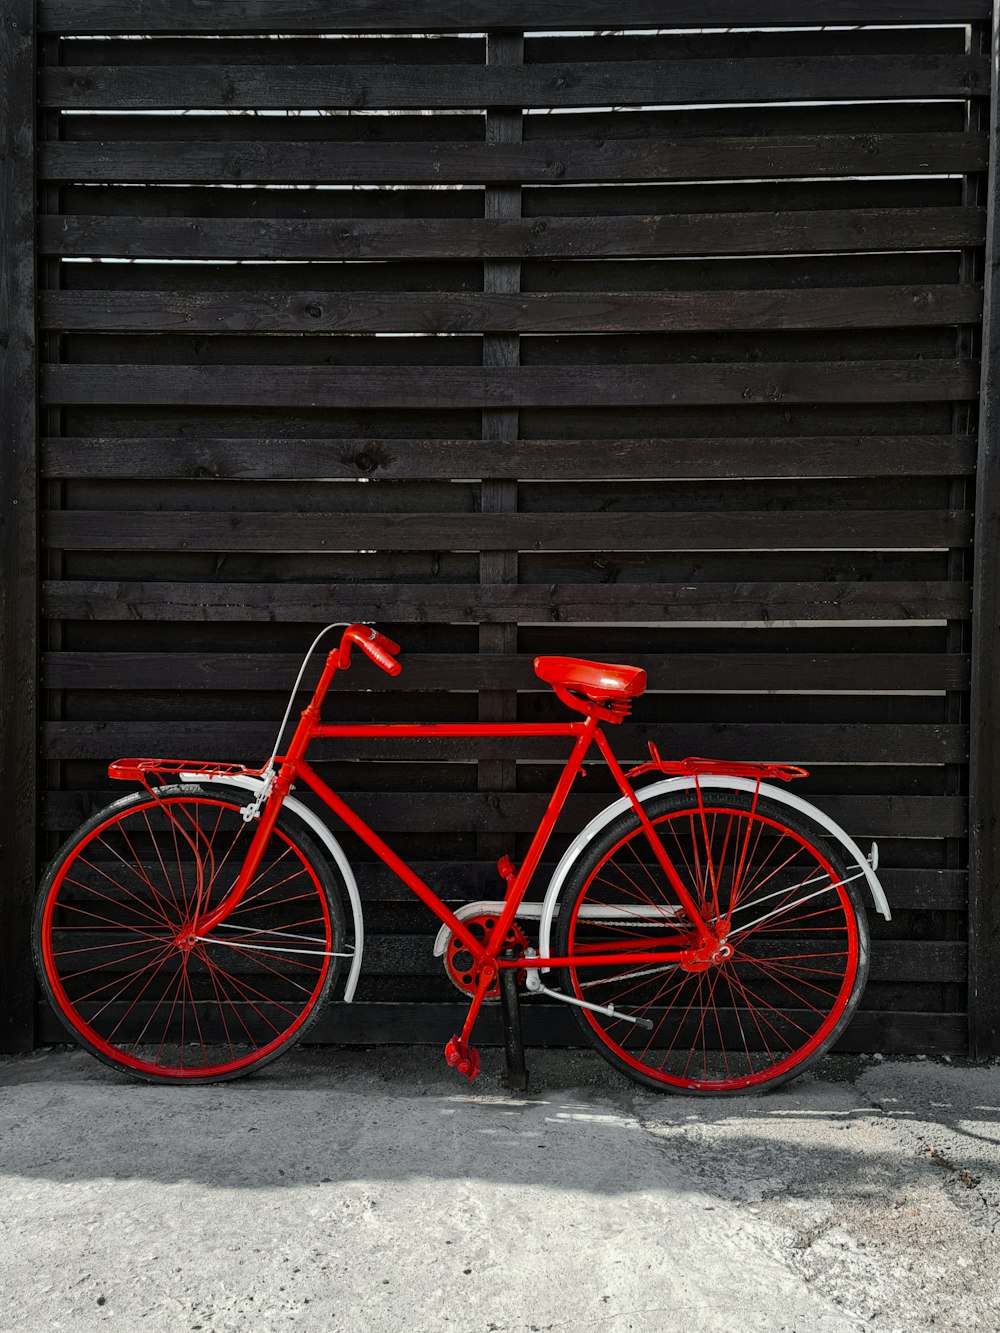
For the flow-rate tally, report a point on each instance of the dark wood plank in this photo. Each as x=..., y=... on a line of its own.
x=468, y=881
x=492, y=312
x=908, y=890
x=519, y=812
x=95, y=599
x=170, y=530
x=532, y=162
x=730, y=671
x=384, y=1023
x=521, y=386
x=845, y=743
x=403, y=459
x=18, y=529
x=576, y=84
x=984, y=773
x=291, y=16
x=799, y=231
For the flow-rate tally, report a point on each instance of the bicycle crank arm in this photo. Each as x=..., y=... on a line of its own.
x=537, y=987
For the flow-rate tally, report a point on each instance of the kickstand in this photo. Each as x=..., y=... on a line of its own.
x=516, y=1077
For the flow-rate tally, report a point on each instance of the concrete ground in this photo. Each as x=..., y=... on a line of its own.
x=374, y=1190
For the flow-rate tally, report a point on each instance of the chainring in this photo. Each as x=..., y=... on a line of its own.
x=458, y=961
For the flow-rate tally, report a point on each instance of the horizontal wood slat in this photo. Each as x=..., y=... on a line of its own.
x=102, y=599
x=720, y=158
x=577, y=84
x=387, y=1023
x=784, y=232
x=908, y=890
x=171, y=530
x=264, y=458
x=517, y=812
x=520, y=386
x=539, y=312
x=845, y=743
x=466, y=671
x=286, y=16
x=408, y=954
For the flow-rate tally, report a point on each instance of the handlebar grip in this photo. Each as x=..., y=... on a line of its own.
x=385, y=642
x=379, y=655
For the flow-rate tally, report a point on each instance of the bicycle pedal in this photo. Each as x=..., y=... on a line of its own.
x=462, y=1057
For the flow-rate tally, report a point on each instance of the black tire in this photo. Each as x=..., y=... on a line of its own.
x=610, y=875
x=136, y=914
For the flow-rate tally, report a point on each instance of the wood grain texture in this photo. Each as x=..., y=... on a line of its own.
x=18, y=529
x=171, y=530
x=578, y=84
x=187, y=16
x=698, y=233
x=500, y=312
x=533, y=162
x=118, y=600
x=984, y=776
x=517, y=386
x=257, y=458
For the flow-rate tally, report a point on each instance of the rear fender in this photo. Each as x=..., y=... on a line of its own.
x=855, y=856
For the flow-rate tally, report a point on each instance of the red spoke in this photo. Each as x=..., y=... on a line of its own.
x=194, y=1014
x=222, y=1012
x=761, y=965
x=252, y=990
x=142, y=932
x=149, y=982
x=146, y=912
x=159, y=856
x=137, y=871
x=170, y=1014
x=216, y=975
x=129, y=978
x=747, y=993
x=97, y=967
x=257, y=956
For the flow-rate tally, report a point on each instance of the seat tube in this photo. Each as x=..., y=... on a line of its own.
x=653, y=838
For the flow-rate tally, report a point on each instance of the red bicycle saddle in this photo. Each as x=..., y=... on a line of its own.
x=600, y=682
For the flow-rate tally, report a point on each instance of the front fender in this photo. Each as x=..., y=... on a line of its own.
x=687, y=782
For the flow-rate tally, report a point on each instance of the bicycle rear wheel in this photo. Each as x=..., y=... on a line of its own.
x=115, y=906
x=783, y=902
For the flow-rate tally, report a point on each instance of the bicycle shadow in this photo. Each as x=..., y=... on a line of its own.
x=324, y=1118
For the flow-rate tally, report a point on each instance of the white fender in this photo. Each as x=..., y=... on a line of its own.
x=337, y=855
x=611, y=812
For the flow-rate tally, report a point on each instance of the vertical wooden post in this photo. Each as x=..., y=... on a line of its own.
x=984, y=777
x=18, y=523
x=500, y=425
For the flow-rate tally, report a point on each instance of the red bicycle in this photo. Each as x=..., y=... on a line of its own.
x=706, y=928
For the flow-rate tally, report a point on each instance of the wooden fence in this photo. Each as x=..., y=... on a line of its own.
x=519, y=331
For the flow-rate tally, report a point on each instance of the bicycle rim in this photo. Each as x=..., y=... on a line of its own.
x=119, y=902
x=777, y=895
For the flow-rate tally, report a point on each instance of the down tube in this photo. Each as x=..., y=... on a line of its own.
x=382, y=849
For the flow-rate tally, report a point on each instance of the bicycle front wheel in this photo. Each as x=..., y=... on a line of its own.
x=781, y=899
x=112, y=926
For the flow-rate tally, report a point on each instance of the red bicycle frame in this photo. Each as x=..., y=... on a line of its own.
x=291, y=767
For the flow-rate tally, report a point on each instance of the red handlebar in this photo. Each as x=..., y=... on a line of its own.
x=379, y=648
